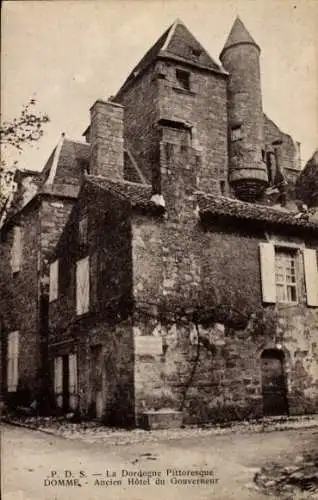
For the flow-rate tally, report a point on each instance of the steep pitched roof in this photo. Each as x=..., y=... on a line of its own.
x=179, y=44
x=222, y=206
x=238, y=34
x=70, y=161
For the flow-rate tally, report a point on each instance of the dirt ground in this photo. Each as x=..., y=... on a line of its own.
x=39, y=466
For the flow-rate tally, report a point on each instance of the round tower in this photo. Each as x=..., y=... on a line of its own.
x=247, y=170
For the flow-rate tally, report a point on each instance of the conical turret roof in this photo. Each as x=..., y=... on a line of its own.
x=238, y=34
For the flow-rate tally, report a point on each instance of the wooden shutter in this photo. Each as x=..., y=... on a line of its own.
x=13, y=360
x=267, y=263
x=58, y=380
x=54, y=280
x=9, y=364
x=72, y=382
x=93, y=281
x=82, y=286
x=16, y=249
x=311, y=276
x=15, y=336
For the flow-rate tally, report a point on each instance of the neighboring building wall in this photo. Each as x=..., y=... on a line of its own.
x=290, y=150
x=19, y=300
x=23, y=300
x=307, y=183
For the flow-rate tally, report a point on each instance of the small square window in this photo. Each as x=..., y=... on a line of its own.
x=236, y=133
x=183, y=79
x=286, y=276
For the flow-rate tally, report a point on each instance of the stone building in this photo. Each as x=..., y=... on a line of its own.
x=168, y=263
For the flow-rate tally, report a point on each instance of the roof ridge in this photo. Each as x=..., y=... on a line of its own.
x=118, y=181
x=170, y=33
x=56, y=157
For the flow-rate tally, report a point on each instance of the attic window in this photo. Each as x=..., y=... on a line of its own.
x=236, y=133
x=196, y=52
x=183, y=79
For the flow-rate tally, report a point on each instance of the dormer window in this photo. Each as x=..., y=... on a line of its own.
x=236, y=133
x=183, y=79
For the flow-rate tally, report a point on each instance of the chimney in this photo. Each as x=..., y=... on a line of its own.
x=106, y=139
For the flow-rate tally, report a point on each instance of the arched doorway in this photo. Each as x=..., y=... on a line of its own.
x=273, y=383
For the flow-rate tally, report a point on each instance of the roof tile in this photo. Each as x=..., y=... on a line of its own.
x=228, y=207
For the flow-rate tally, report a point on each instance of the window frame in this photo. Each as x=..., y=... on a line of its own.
x=183, y=79
x=234, y=129
x=290, y=254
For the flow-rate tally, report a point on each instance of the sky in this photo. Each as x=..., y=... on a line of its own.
x=69, y=53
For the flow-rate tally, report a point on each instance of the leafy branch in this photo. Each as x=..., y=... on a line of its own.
x=24, y=130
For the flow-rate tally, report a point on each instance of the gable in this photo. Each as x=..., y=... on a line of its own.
x=177, y=43
x=183, y=44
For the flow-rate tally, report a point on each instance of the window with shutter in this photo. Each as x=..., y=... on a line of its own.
x=58, y=380
x=311, y=276
x=54, y=280
x=16, y=249
x=72, y=363
x=82, y=286
x=12, y=361
x=267, y=262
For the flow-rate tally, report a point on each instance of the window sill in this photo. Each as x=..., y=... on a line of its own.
x=181, y=90
x=286, y=303
x=82, y=315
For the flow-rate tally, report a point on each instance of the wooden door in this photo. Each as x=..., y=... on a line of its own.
x=273, y=383
x=65, y=382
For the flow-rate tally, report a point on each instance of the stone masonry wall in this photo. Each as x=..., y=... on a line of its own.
x=140, y=118
x=290, y=149
x=204, y=108
x=105, y=326
x=42, y=225
x=19, y=297
x=108, y=248
x=116, y=375
x=156, y=96
x=218, y=377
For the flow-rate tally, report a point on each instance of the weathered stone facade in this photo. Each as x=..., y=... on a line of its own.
x=160, y=295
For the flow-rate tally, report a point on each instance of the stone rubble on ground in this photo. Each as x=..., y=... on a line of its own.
x=93, y=431
x=290, y=482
